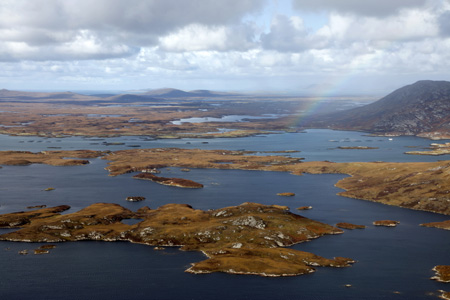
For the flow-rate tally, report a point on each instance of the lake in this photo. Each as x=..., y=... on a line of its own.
x=392, y=263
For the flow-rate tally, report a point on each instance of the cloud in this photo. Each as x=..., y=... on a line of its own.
x=289, y=34
x=444, y=23
x=377, y=8
x=85, y=29
x=197, y=37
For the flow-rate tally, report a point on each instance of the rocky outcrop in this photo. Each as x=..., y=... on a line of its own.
x=135, y=198
x=244, y=239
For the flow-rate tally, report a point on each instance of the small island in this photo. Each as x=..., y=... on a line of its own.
x=386, y=223
x=304, y=207
x=286, y=194
x=176, y=182
x=249, y=238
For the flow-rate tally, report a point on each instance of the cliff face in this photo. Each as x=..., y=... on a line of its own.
x=418, y=109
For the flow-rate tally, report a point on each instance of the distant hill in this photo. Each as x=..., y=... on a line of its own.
x=422, y=108
x=19, y=96
x=175, y=93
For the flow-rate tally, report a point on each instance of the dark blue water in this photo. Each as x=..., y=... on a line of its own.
x=392, y=263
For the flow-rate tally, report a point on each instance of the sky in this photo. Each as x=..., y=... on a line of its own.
x=316, y=47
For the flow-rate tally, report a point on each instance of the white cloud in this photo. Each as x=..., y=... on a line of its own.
x=197, y=37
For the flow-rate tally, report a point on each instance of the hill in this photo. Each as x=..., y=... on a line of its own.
x=175, y=93
x=422, y=108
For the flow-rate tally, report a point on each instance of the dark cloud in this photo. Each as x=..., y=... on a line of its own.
x=377, y=8
x=444, y=23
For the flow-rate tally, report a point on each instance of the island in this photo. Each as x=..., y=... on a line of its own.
x=286, y=194
x=176, y=182
x=386, y=223
x=249, y=238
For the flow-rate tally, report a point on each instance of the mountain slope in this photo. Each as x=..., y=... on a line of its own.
x=422, y=108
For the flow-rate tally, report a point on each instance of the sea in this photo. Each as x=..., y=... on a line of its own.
x=391, y=263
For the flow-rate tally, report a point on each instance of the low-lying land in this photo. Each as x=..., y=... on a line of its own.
x=350, y=226
x=435, y=149
x=245, y=239
x=421, y=186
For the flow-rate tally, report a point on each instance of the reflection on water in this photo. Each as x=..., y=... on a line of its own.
x=229, y=118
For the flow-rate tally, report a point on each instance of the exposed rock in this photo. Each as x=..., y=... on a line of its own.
x=135, y=198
